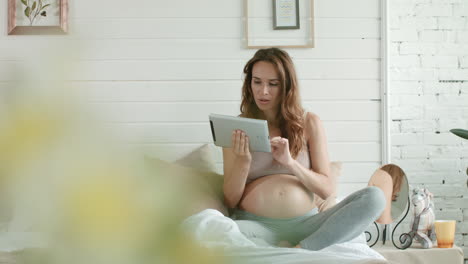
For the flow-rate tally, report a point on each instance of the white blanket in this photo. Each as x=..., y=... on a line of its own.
x=215, y=231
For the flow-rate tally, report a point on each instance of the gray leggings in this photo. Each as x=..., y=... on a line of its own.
x=314, y=231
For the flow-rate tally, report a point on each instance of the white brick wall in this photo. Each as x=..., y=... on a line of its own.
x=428, y=86
x=429, y=61
x=432, y=10
x=432, y=35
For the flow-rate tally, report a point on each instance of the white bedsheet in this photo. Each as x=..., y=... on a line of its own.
x=213, y=230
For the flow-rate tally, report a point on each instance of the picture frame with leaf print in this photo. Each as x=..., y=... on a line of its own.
x=37, y=17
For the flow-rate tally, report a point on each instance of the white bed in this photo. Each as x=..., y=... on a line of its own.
x=215, y=231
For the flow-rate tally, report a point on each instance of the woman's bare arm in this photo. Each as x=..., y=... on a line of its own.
x=318, y=178
x=236, y=168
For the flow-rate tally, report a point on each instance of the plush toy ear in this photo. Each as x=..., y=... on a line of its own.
x=431, y=195
x=428, y=193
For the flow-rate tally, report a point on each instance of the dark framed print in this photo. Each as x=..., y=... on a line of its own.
x=37, y=17
x=286, y=14
x=261, y=24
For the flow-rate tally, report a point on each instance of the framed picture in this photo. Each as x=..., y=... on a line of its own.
x=286, y=14
x=37, y=17
x=260, y=24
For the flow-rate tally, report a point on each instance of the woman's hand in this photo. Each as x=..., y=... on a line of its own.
x=280, y=150
x=240, y=145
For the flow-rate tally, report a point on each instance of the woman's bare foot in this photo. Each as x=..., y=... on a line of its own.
x=298, y=246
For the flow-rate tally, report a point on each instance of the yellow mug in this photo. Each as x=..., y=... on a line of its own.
x=445, y=233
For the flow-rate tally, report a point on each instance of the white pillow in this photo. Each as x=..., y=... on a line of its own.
x=200, y=158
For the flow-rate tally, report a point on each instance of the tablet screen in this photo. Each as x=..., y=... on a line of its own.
x=222, y=127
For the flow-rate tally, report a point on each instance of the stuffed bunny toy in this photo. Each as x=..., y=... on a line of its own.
x=422, y=222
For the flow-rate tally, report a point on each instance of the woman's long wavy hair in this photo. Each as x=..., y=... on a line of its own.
x=290, y=115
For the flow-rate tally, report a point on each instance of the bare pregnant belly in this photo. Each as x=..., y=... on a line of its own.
x=277, y=196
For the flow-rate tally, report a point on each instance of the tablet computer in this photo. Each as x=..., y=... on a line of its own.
x=257, y=131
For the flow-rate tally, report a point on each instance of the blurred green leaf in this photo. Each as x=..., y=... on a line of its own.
x=34, y=6
x=45, y=6
x=24, y=2
x=27, y=11
x=460, y=132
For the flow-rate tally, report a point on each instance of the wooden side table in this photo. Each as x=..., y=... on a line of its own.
x=415, y=255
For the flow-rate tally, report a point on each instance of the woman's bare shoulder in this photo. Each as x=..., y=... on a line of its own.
x=312, y=123
x=311, y=117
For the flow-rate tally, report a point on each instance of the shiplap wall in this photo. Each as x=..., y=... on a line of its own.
x=155, y=69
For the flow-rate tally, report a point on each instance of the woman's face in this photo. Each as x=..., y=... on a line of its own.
x=266, y=86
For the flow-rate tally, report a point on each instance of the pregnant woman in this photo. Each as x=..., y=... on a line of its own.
x=274, y=195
